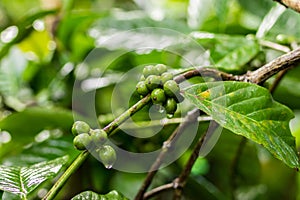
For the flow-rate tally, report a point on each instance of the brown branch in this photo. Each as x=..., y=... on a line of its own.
x=158, y=190
x=204, y=71
x=190, y=118
x=180, y=182
x=283, y=62
x=277, y=80
x=259, y=76
x=293, y=4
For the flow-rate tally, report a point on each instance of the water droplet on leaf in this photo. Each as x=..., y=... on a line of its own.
x=170, y=116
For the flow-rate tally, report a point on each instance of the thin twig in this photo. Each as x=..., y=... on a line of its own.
x=162, y=122
x=157, y=190
x=204, y=71
x=275, y=46
x=190, y=118
x=277, y=80
x=180, y=182
x=235, y=163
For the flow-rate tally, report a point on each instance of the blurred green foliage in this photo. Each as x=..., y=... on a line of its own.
x=50, y=48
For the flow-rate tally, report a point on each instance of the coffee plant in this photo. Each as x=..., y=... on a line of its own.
x=172, y=99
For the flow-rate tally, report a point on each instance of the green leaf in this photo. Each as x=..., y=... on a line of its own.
x=23, y=180
x=228, y=52
x=34, y=120
x=236, y=59
x=89, y=195
x=41, y=152
x=257, y=7
x=24, y=29
x=248, y=110
x=221, y=7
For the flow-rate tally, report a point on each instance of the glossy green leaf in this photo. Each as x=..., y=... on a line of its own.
x=89, y=195
x=40, y=152
x=23, y=180
x=249, y=110
x=257, y=7
x=228, y=52
x=236, y=59
x=33, y=120
x=221, y=7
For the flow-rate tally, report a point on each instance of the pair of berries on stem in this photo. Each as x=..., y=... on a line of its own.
x=86, y=138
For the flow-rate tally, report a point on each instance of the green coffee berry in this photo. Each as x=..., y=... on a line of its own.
x=171, y=88
x=159, y=69
x=152, y=82
x=148, y=70
x=170, y=106
x=141, y=88
x=82, y=141
x=80, y=127
x=166, y=76
x=107, y=155
x=158, y=96
x=98, y=136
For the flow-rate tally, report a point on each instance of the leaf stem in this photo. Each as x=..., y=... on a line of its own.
x=71, y=169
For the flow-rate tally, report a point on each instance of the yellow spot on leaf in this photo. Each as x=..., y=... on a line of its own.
x=205, y=94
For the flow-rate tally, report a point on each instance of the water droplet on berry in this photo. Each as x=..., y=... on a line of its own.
x=108, y=166
x=161, y=109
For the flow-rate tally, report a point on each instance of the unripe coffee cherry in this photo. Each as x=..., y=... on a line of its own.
x=152, y=82
x=99, y=136
x=141, y=88
x=107, y=155
x=148, y=70
x=80, y=127
x=159, y=69
x=158, y=96
x=166, y=76
x=171, y=88
x=171, y=106
x=82, y=141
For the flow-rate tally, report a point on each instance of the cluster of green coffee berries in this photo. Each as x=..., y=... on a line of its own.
x=87, y=138
x=159, y=82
